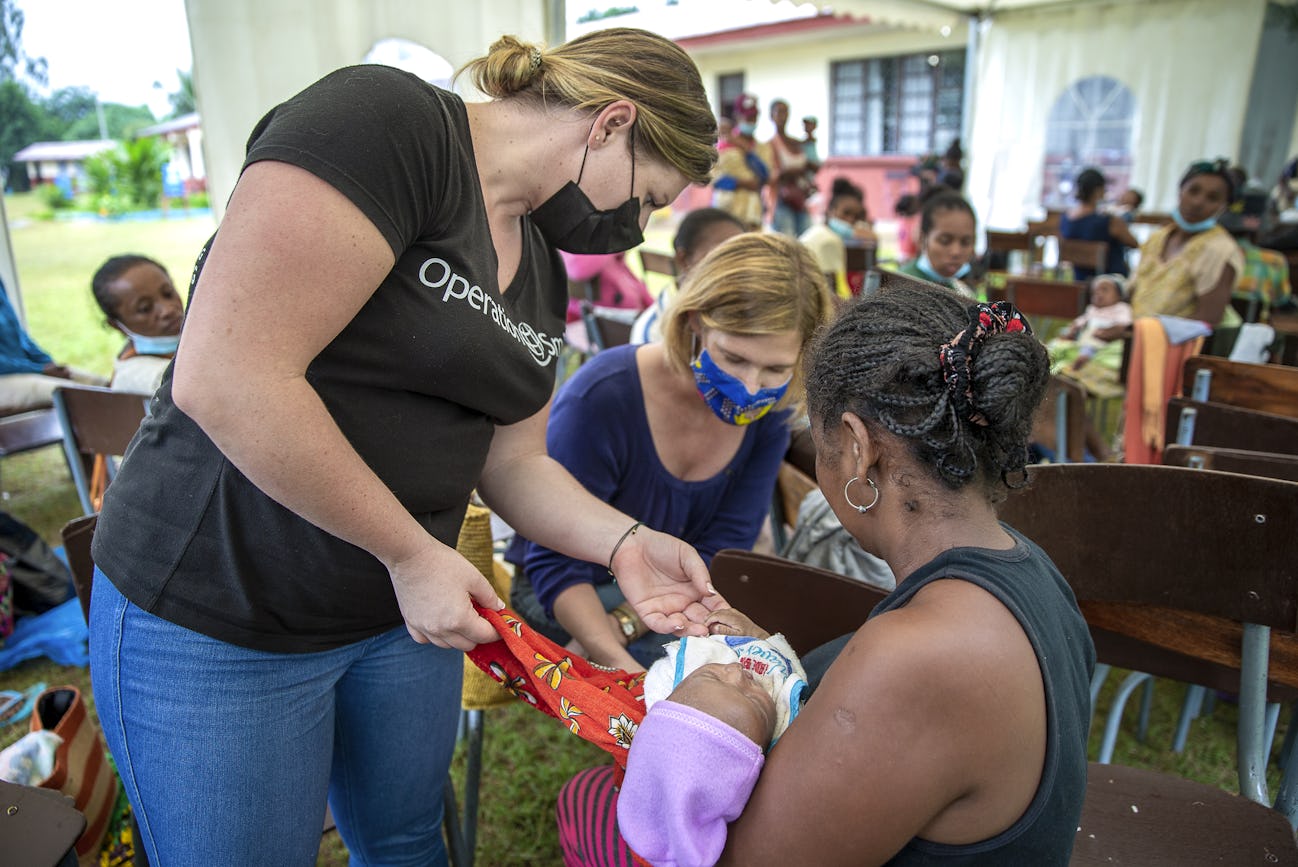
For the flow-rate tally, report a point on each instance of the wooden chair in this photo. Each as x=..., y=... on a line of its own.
x=809, y=605
x=1152, y=218
x=1179, y=572
x=1046, y=298
x=25, y=431
x=1085, y=254
x=1191, y=422
x=1267, y=464
x=1061, y=419
x=1269, y=388
x=1004, y=242
x=96, y=422
x=658, y=263
x=604, y=328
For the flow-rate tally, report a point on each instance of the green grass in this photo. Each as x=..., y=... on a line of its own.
x=527, y=756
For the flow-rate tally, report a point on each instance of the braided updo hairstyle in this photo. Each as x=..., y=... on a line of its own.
x=880, y=361
x=674, y=120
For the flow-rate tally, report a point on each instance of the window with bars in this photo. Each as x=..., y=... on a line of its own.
x=896, y=105
x=1090, y=125
x=729, y=87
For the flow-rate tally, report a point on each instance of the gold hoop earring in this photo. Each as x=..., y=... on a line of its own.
x=847, y=496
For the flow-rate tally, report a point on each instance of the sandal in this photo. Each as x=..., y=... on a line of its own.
x=17, y=706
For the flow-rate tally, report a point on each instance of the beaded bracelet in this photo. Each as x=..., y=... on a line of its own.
x=627, y=535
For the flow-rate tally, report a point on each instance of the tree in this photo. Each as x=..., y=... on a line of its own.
x=120, y=121
x=12, y=57
x=22, y=122
x=182, y=101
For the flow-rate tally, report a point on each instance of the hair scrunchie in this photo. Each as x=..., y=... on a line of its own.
x=957, y=356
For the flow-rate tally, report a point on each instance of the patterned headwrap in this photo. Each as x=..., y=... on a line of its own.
x=957, y=357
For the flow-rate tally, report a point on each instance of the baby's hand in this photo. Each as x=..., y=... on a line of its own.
x=730, y=621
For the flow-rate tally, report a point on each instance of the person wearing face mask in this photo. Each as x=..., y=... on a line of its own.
x=685, y=435
x=946, y=243
x=698, y=234
x=372, y=336
x=846, y=224
x=138, y=298
x=1189, y=267
x=741, y=172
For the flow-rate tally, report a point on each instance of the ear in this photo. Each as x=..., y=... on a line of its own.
x=611, y=122
x=859, y=445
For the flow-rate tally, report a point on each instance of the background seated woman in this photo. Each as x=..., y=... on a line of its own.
x=946, y=243
x=1189, y=267
x=1086, y=222
x=139, y=299
x=952, y=725
x=687, y=434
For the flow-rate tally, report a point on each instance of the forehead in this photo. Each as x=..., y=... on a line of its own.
x=953, y=220
x=143, y=277
x=1207, y=183
x=775, y=350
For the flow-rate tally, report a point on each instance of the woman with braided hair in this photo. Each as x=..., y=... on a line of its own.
x=951, y=727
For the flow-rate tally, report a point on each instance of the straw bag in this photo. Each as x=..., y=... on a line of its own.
x=81, y=767
x=480, y=691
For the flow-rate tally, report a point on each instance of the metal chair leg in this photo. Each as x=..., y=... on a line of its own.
x=1111, y=725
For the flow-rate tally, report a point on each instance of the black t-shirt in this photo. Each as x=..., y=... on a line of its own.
x=416, y=381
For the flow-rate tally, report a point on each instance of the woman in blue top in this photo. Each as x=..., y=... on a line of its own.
x=685, y=436
x=1086, y=222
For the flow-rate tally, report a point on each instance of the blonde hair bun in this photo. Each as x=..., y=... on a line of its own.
x=511, y=66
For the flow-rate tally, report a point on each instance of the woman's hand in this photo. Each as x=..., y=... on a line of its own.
x=435, y=589
x=666, y=581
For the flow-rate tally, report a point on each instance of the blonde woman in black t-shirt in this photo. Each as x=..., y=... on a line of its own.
x=372, y=334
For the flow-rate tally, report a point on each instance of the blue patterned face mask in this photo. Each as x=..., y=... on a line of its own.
x=728, y=398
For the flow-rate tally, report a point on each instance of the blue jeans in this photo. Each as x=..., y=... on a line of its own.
x=227, y=754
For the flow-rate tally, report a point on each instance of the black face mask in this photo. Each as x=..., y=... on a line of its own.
x=571, y=222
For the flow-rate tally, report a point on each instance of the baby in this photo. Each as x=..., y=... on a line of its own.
x=1105, y=318
x=746, y=677
x=705, y=712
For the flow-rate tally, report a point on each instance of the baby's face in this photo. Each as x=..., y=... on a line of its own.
x=730, y=693
x=1127, y=200
x=1104, y=294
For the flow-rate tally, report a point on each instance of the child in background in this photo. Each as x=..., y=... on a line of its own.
x=1129, y=204
x=1105, y=318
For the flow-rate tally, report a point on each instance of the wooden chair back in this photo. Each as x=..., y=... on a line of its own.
x=1191, y=422
x=1267, y=464
x=1004, y=242
x=1152, y=218
x=1269, y=388
x=96, y=421
x=809, y=605
x=77, y=535
x=603, y=330
x=658, y=263
x=859, y=259
x=24, y=431
x=1085, y=254
x=1047, y=298
x=1060, y=422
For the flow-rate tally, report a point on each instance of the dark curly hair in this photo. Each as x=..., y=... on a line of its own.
x=110, y=272
x=879, y=360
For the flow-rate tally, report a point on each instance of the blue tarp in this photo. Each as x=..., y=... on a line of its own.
x=59, y=633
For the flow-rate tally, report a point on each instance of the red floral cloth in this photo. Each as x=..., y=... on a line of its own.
x=603, y=706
